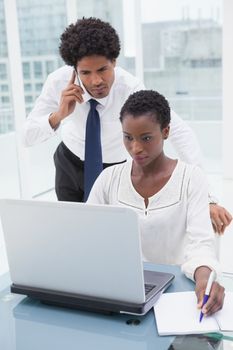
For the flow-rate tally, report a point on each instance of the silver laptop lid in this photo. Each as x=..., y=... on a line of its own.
x=74, y=247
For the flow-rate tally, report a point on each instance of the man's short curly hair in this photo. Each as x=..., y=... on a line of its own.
x=150, y=103
x=89, y=36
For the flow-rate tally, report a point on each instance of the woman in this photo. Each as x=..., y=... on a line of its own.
x=170, y=197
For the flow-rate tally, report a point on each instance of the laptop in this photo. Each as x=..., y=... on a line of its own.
x=79, y=255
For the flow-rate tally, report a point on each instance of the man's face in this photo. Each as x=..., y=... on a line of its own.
x=97, y=74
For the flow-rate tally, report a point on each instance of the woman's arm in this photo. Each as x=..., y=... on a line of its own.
x=200, y=247
x=200, y=252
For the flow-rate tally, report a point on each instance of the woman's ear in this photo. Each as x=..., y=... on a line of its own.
x=165, y=132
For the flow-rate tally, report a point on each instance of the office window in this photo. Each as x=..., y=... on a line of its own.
x=182, y=58
x=49, y=66
x=28, y=99
x=26, y=70
x=3, y=46
x=27, y=87
x=9, y=180
x=3, y=71
x=37, y=67
x=38, y=87
x=4, y=88
x=28, y=109
x=40, y=26
x=5, y=99
x=182, y=54
x=6, y=112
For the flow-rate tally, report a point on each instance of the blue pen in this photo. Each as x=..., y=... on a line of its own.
x=211, y=279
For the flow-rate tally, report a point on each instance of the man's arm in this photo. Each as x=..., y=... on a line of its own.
x=184, y=141
x=186, y=145
x=69, y=97
x=51, y=107
x=220, y=218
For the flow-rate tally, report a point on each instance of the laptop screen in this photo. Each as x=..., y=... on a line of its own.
x=92, y=250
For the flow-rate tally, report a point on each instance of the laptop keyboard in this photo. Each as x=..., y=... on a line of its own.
x=149, y=287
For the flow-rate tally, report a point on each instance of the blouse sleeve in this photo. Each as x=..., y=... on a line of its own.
x=200, y=249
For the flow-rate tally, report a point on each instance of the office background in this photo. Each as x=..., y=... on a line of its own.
x=180, y=48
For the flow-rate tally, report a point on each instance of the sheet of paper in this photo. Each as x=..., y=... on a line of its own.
x=177, y=313
x=224, y=317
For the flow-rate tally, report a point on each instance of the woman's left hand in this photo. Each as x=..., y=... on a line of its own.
x=217, y=292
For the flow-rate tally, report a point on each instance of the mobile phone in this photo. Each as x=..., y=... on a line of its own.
x=196, y=342
x=78, y=79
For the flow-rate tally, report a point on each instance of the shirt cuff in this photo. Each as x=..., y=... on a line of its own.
x=36, y=132
x=212, y=199
x=189, y=268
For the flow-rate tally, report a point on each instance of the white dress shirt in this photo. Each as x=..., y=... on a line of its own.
x=37, y=128
x=175, y=226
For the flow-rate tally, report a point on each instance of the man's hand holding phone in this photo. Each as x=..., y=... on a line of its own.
x=69, y=97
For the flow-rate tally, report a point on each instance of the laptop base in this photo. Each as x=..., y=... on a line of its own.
x=93, y=304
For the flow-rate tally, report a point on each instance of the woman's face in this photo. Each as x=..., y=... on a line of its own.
x=143, y=138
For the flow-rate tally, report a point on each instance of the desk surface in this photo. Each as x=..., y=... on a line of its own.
x=26, y=324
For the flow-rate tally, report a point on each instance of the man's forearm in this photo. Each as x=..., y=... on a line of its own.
x=54, y=120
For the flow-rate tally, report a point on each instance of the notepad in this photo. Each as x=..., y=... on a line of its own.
x=177, y=313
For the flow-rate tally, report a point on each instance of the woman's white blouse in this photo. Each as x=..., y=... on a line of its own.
x=175, y=226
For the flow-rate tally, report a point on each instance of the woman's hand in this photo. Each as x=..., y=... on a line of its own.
x=217, y=292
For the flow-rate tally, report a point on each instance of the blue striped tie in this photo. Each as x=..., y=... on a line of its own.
x=93, y=154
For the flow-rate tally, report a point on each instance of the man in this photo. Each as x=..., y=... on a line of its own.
x=90, y=90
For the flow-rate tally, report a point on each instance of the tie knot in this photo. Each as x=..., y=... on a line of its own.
x=93, y=103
